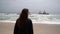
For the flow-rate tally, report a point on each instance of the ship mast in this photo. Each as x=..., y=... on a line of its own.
x=44, y=12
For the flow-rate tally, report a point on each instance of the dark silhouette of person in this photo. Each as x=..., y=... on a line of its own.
x=23, y=24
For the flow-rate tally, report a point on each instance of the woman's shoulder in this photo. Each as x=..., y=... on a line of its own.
x=17, y=19
x=29, y=20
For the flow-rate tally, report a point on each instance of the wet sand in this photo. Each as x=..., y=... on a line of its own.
x=7, y=28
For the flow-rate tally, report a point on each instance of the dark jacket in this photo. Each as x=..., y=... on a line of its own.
x=26, y=29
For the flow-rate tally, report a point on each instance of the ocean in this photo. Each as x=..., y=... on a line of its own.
x=36, y=18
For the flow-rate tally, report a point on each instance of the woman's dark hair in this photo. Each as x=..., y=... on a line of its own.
x=24, y=14
x=23, y=17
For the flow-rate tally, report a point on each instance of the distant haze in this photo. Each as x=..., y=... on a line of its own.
x=34, y=6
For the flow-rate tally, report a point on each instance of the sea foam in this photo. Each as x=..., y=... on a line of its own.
x=36, y=18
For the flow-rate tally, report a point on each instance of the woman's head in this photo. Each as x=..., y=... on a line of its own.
x=24, y=15
x=24, y=12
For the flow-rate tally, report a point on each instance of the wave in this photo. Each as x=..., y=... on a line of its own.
x=34, y=17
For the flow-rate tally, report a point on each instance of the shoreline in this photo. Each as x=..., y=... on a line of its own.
x=47, y=23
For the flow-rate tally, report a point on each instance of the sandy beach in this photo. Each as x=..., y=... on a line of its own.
x=7, y=28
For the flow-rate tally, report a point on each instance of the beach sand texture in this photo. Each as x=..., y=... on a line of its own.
x=7, y=28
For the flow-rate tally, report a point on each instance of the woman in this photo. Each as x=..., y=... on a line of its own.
x=23, y=24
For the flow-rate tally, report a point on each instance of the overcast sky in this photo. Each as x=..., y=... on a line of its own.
x=34, y=6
